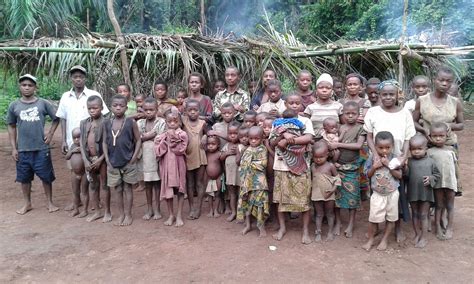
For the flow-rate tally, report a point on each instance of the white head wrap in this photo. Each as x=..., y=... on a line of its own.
x=325, y=77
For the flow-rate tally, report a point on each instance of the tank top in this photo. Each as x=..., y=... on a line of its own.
x=432, y=113
x=122, y=152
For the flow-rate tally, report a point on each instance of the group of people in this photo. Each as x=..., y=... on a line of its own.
x=254, y=156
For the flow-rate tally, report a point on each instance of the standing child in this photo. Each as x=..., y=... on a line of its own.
x=325, y=181
x=419, y=87
x=132, y=106
x=228, y=155
x=181, y=96
x=220, y=129
x=250, y=119
x=217, y=87
x=330, y=134
x=446, y=186
x=121, y=145
x=372, y=91
x=422, y=175
x=160, y=90
x=275, y=105
x=267, y=129
x=78, y=178
x=214, y=172
x=303, y=88
x=253, y=197
x=149, y=128
x=92, y=129
x=196, y=83
x=170, y=149
x=196, y=160
x=30, y=146
x=384, y=181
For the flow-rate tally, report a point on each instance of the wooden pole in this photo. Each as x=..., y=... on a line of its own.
x=401, y=98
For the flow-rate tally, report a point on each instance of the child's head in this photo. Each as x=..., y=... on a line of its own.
x=354, y=84
x=268, y=75
x=244, y=135
x=372, y=90
x=444, y=79
x=76, y=136
x=192, y=109
x=27, y=85
x=150, y=108
x=267, y=126
x=78, y=76
x=273, y=89
x=420, y=85
x=232, y=76
x=218, y=86
x=293, y=101
x=181, y=95
x=213, y=144
x=255, y=135
x=388, y=93
x=304, y=80
x=196, y=82
x=227, y=112
x=418, y=146
x=160, y=89
x=173, y=120
x=289, y=113
x=233, y=132
x=439, y=133
x=94, y=106
x=324, y=87
x=350, y=112
x=454, y=90
x=338, y=88
x=320, y=153
x=331, y=125
x=119, y=105
x=384, y=143
x=250, y=118
x=139, y=99
x=252, y=86
x=261, y=117
x=124, y=90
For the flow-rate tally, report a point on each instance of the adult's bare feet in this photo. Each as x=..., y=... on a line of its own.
x=52, y=208
x=23, y=210
x=83, y=214
x=170, y=221
x=279, y=235
x=421, y=243
x=306, y=240
x=119, y=220
x=74, y=212
x=107, y=218
x=157, y=215
x=148, y=215
x=127, y=221
x=179, y=222
x=95, y=216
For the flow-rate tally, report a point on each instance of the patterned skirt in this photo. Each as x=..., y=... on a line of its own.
x=292, y=192
x=364, y=181
x=348, y=194
x=256, y=203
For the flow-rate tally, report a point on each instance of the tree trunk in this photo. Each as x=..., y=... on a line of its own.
x=203, y=17
x=120, y=40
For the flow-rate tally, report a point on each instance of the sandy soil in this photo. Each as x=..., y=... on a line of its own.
x=43, y=247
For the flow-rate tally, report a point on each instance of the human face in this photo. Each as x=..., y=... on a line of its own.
x=255, y=139
x=260, y=119
x=172, y=121
x=139, y=101
x=94, y=108
x=124, y=91
x=195, y=84
x=250, y=120
x=330, y=127
x=227, y=114
x=350, y=114
x=252, y=86
x=244, y=137
x=293, y=102
x=212, y=144
x=320, y=156
x=384, y=147
x=438, y=136
x=180, y=97
x=267, y=76
x=353, y=86
x=219, y=86
x=274, y=93
x=76, y=137
x=150, y=110
x=78, y=79
x=267, y=127
x=373, y=93
x=27, y=88
x=420, y=87
x=304, y=82
x=323, y=91
x=119, y=107
x=160, y=91
x=443, y=82
x=388, y=96
x=233, y=134
x=192, y=111
x=418, y=149
x=338, y=89
x=232, y=77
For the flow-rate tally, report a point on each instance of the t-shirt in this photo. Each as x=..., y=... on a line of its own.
x=410, y=105
x=319, y=112
x=382, y=181
x=281, y=165
x=399, y=123
x=268, y=106
x=29, y=119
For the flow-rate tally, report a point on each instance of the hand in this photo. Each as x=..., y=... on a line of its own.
x=426, y=180
x=384, y=161
x=64, y=148
x=88, y=166
x=232, y=150
x=282, y=144
x=15, y=155
x=203, y=144
x=402, y=160
x=333, y=146
x=76, y=150
x=48, y=138
x=132, y=161
x=274, y=112
x=239, y=108
x=290, y=141
x=377, y=163
x=360, y=119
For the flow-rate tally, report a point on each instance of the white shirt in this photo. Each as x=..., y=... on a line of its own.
x=269, y=106
x=280, y=164
x=74, y=109
x=410, y=105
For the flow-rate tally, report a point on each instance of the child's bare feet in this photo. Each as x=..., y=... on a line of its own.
x=279, y=235
x=262, y=232
x=449, y=234
x=23, y=210
x=107, y=218
x=216, y=214
x=306, y=239
x=191, y=215
x=148, y=215
x=197, y=213
x=400, y=236
x=227, y=211
x=74, y=212
x=440, y=236
x=94, y=217
x=318, y=236
x=330, y=237
x=246, y=229
x=119, y=220
x=337, y=229
x=416, y=239
x=421, y=243
x=157, y=215
x=368, y=245
x=83, y=214
x=179, y=222
x=170, y=221
x=69, y=207
x=127, y=221
x=348, y=232
x=210, y=214
x=52, y=208
x=382, y=245
x=231, y=218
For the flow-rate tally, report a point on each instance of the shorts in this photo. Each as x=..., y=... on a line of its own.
x=383, y=207
x=34, y=162
x=117, y=176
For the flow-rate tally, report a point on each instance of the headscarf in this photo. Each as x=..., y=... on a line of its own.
x=390, y=82
x=325, y=77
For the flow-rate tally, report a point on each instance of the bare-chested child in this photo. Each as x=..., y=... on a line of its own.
x=325, y=180
x=220, y=129
x=121, y=143
x=214, y=172
x=94, y=158
x=267, y=128
x=330, y=134
x=78, y=177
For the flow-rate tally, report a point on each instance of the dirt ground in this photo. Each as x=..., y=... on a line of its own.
x=43, y=247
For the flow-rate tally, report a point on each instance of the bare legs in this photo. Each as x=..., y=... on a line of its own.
x=233, y=201
x=26, y=190
x=195, y=180
x=383, y=243
x=76, y=181
x=124, y=204
x=282, y=231
x=350, y=227
x=179, y=215
x=420, y=211
x=95, y=193
x=150, y=187
x=324, y=208
x=215, y=202
x=444, y=200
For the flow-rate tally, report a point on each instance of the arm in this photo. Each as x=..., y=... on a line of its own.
x=459, y=124
x=416, y=118
x=72, y=150
x=179, y=148
x=138, y=142
x=376, y=165
x=397, y=173
x=370, y=143
x=303, y=140
x=63, y=135
x=49, y=136
x=12, y=137
x=349, y=146
x=106, y=149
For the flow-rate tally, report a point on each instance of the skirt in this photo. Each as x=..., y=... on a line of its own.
x=292, y=192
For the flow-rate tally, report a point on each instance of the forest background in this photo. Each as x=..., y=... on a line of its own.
x=310, y=21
